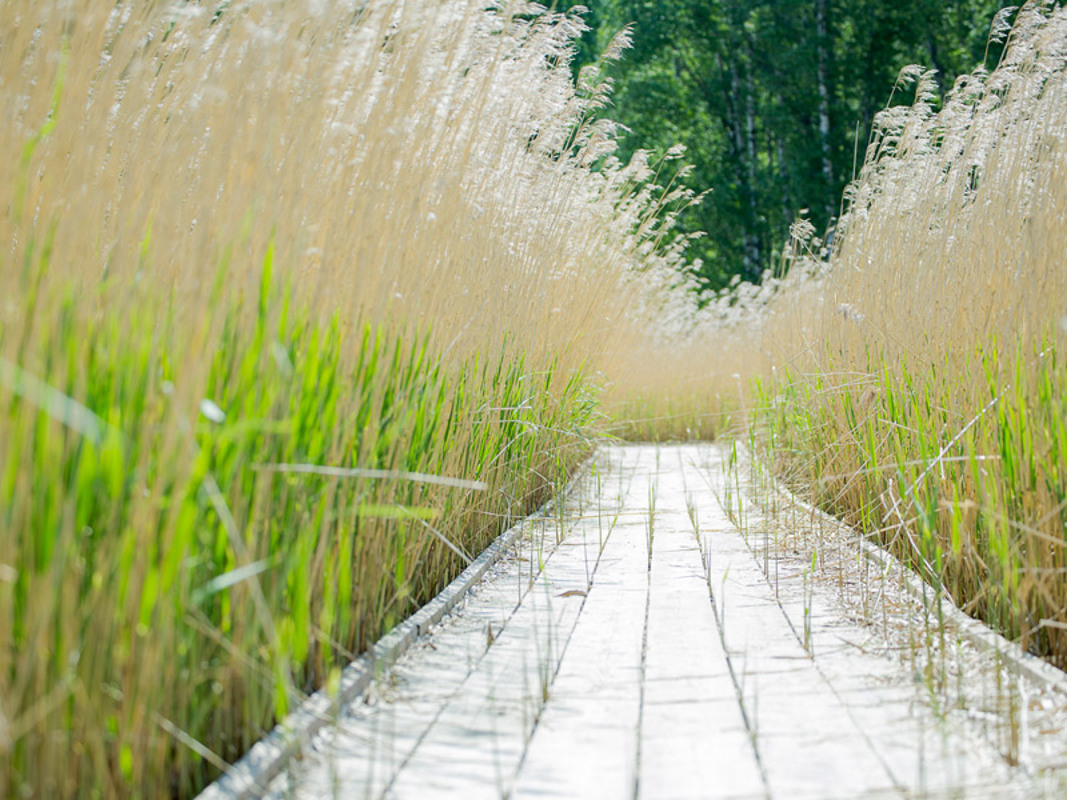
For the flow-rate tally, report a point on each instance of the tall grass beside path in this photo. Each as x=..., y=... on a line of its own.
x=920, y=375
x=298, y=308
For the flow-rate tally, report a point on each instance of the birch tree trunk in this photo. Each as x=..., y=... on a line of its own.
x=822, y=71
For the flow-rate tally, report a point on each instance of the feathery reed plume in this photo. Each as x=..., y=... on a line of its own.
x=919, y=380
x=388, y=240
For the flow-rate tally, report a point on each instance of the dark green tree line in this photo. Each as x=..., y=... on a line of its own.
x=774, y=100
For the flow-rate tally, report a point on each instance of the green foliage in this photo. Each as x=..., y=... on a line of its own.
x=168, y=516
x=974, y=500
x=921, y=396
x=773, y=100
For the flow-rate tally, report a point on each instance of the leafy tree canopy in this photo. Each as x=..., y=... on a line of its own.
x=773, y=100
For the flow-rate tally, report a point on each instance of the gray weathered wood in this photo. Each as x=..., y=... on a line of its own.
x=658, y=652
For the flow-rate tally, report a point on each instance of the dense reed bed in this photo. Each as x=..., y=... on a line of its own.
x=298, y=308
x=918, y=384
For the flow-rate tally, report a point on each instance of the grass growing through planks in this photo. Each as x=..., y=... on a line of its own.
x=920, y=376
x=297, y=308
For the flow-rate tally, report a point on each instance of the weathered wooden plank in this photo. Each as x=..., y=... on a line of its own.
x=694, y=741
x=807, y=740
x=480, y=735
x=375, y=741
x=681, y=673
x=585, y=742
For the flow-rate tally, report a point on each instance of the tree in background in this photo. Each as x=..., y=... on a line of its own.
x=773, y=99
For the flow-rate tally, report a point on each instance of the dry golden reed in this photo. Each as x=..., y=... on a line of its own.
x=918, y=375
x=424, y=161
x=243, y=244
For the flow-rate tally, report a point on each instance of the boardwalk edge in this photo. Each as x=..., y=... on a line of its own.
x=250, y=777
x=1012, y=656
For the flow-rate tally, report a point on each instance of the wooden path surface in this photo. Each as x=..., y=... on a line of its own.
x=638, y=646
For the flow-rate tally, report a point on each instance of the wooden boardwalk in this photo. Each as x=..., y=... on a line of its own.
x=638, y=646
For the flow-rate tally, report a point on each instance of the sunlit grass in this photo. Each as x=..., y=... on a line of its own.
x=183, y=556
x=919, y=375
x=298, y=309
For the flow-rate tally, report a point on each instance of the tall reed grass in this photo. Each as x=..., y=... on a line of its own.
x=918, y=379
x=298, y=306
